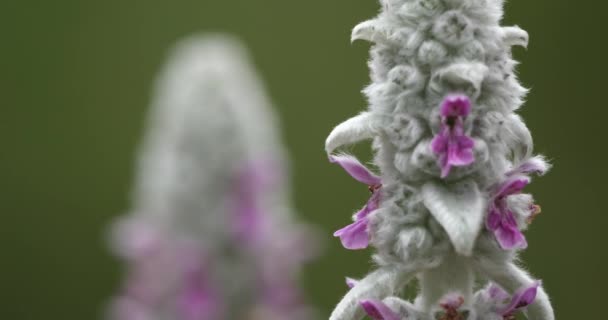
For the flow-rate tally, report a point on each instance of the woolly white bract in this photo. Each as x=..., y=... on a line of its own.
x=211, y=234
x=453, y=158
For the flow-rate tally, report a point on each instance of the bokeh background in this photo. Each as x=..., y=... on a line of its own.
x=75, y=82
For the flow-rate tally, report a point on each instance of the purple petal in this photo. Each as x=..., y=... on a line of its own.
x=511, y=186
x=248, y=220
x=536, y=165
x=354, y=236
x=494, y=217
x=196, y=299
x=197, y=303
x=522, y=298
x=451, y=145
x=501, y=220
x=439, y=143
x=465, y=142
x=456, y=106
x=440, y=146
x=509, y=237
x=350, y=282
x=378, y=310
x=252, y=181
x=497, y=293
x=355, y=169
x=372, y=204
x=446, y=167
x=460, y=152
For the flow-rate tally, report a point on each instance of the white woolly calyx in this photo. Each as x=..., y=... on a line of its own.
x=518, y=138
x=460, y=77
x=361, y=127
x=369, y=31
x=515, y=36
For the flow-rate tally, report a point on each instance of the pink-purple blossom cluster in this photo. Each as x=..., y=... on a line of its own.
x=453, y=148
x=491, y=301
x=451, y=145
x=355, y=236
x=172, y=276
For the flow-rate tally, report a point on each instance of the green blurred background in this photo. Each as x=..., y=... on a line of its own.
x=75, y=83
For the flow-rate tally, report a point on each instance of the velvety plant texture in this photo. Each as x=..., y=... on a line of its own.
x=448, y=207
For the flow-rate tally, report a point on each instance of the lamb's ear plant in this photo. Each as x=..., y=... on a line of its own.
x=211, y=233
x=453, y=157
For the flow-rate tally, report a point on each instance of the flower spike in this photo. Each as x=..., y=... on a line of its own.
x=448, y=205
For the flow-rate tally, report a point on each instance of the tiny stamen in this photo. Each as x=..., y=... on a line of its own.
x=535, y=212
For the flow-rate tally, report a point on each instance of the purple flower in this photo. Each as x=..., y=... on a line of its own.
x=196, y=299
x=278, y=291
x=253, y=181
x=522, y=298
x=451, y=304
x=496, y=293
x=451, y=145
x=378, y=310
x=170, y=277
x=196, y=303
x=355, y=236
x=501, y=219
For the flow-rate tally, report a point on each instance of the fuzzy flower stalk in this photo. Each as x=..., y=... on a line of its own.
x=211, y=233
x=447, y=205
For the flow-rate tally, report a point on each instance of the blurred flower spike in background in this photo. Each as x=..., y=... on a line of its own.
x=211, y=233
